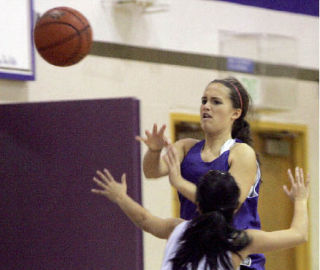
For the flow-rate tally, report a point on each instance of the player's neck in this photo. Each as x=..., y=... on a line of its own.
x=214, y=142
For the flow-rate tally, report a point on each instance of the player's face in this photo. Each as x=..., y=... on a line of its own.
x=216, y=111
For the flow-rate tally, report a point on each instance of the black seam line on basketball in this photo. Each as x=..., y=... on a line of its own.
x=55, y=22
x=75, y=54
x=84, y=23
x=78, y=33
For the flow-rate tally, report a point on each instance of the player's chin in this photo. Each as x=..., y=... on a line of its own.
x=206, y=125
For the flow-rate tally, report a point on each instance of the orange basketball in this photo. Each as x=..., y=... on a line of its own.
x=63, y=36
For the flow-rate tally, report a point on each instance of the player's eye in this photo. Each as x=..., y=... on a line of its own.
x=216, y=102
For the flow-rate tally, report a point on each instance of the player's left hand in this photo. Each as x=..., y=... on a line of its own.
x=172, y=160
x=299, y=189
x=111, y=189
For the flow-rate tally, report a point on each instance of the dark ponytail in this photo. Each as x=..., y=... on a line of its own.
x=211, y=234
x=240, y=100
x=241, y=130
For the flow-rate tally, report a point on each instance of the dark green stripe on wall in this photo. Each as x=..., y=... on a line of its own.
x=218, y=63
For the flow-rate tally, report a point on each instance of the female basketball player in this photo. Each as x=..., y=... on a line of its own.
x=210, y=241
x=226, y=147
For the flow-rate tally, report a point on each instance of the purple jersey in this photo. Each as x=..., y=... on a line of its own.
x=193, y=167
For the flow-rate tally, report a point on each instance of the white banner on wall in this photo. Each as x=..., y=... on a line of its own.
x=16, y=46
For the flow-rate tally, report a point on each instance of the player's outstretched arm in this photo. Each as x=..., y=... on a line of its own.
x=143, y=219
x=298, y=231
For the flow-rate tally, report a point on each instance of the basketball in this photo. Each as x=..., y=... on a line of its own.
x=63, y=36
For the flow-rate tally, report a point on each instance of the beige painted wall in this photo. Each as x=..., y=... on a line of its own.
x=161, y=89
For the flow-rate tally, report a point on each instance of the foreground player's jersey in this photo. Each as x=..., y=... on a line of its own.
x=193, y=168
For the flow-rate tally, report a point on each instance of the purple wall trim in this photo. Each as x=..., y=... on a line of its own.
x=310, y=7
x=33, y=63
x=11, y=76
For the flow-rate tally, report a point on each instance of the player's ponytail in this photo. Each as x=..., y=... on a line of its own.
x=211, y=235
x=241, y=130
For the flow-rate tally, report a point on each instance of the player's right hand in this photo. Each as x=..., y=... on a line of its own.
x=155, y=140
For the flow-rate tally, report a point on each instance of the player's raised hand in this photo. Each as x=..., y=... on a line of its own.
x=156, y=139
x=110, y=188
x=172, y=160
x=299, y=187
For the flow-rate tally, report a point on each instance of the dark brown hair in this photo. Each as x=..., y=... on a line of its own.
x=211, y=235
x=240, y=100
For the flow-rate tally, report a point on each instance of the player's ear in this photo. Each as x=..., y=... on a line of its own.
x=236, y=114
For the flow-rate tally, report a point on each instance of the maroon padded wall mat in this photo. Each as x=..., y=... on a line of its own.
x=49, y=153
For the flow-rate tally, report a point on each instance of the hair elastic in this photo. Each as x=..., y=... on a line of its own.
x=239, y=94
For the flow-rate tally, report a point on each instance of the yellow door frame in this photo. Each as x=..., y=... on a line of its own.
x=300, y=159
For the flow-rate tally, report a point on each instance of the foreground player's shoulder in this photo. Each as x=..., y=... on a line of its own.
x=186, y=144
x=242, y=151
x=171, y=224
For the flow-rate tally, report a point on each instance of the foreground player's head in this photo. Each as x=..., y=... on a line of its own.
x=225, y=103
x=218, y=191
x=211, y=235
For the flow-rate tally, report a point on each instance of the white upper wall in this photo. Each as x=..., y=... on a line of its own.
x=193, y=25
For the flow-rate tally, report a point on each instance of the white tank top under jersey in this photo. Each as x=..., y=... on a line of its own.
x=227, y=146
x=172, y=246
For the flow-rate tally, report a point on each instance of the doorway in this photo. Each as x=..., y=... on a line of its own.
x=279, y=146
